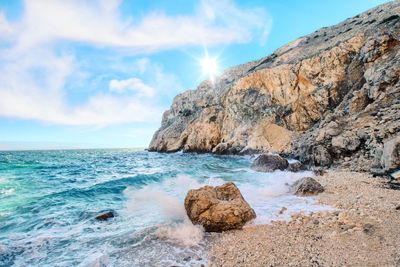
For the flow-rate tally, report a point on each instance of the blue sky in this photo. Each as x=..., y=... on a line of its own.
x=99, y=73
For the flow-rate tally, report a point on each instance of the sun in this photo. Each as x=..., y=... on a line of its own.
x=209, y=66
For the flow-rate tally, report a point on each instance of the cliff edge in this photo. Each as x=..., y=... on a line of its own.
x=331, y=98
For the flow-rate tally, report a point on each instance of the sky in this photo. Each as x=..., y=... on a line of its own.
x=100, y=73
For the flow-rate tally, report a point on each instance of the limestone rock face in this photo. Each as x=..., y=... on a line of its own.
x=269, y=163
x=218, y=208
x=327, y=96
x=307, y=186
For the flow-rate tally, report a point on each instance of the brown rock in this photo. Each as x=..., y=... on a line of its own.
x=269, y=163
x=307, y=187
x=218, y=208
x=105, y=216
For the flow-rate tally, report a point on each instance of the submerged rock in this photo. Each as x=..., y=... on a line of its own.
x=105, y=216
x=269, y=163
x=307, y=187
x=218, y=208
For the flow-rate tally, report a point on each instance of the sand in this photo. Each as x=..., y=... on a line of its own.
x=364, y=230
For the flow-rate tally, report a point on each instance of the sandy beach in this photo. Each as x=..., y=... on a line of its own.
x=363, y=230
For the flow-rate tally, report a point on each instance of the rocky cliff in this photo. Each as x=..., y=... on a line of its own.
x=331, y=98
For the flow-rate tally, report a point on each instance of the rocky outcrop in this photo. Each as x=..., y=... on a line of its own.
x=218, y=208
x=307, y=186
x=331, y=98
x=269, y=163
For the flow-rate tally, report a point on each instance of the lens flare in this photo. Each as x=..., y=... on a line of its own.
x=209, y=66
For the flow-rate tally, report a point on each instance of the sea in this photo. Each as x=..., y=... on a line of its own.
x=49, y=201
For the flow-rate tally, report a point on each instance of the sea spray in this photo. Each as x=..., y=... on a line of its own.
x=184, y=233
x=164, y=200
x=155, y=199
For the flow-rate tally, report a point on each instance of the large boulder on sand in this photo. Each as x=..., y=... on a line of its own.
x=307, y=187
x=218, y=208
x=269, y=163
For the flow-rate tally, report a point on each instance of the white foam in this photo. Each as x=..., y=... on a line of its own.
x=153, y=199
x=7, y=192
x=184, y=233
x=100, y=261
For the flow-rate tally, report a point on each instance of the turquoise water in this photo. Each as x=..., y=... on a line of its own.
x=48, y=201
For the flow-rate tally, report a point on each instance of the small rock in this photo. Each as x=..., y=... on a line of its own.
x=319, y=172
x=395, y=174
x=105, y=216
x=249, y=151
x=269, y=163
x=398, y=207
x=296, y=167
x=306, y=187
x=283, y=209
x=368, y=228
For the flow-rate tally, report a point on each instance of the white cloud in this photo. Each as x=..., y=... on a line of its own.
x=36, y=66
x=32, y=87
x=266, y=31
x=133, y=84
x=100, y=23
x=5, y=27
x=106, y=109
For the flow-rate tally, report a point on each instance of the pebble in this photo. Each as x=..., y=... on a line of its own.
x=283, y=209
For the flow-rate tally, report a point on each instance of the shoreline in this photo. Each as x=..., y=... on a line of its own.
x=363, y=230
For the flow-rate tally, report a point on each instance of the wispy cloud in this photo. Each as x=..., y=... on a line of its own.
x=36, y=66
x=100, y=23
x=133, y=84
x=5, y=27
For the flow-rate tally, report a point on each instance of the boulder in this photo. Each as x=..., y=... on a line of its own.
x=349, y=141
x=321, y=156
x=296, y=167
x=218, y=208
x=307, y=187
x=391, y=154
x=269, y=163
x=105, y=216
